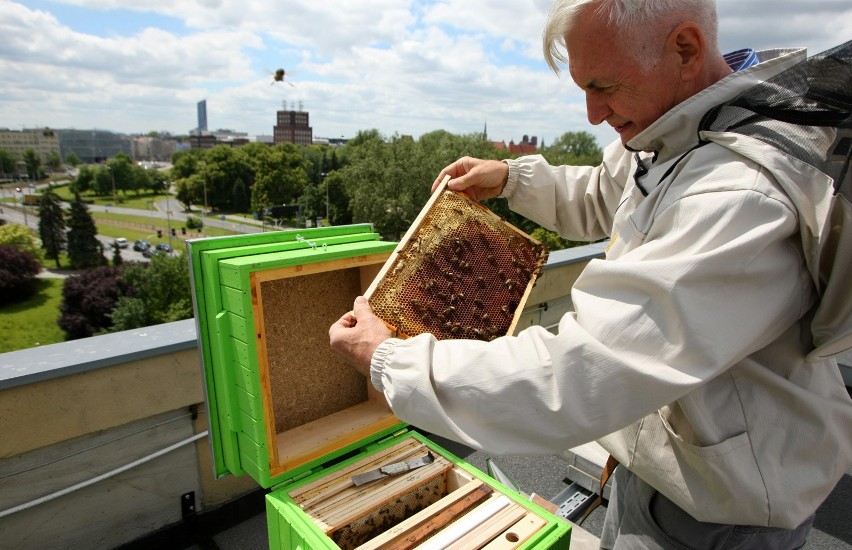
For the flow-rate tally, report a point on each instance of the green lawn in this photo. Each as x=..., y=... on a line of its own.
x=33, y=322
x=124, y=200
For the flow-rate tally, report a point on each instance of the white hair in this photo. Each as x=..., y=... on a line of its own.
x=641, y=21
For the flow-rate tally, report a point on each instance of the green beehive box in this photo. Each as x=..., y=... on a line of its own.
x=286, y=411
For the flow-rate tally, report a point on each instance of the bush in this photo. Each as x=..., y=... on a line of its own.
x=18, y=273
x=194, y=223
x=87, y=301
x=22, y=238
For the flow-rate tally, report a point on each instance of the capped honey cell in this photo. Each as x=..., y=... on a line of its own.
x=463, y=271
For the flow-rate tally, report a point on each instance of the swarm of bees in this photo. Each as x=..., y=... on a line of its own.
x=464, y=275
x=278, y=76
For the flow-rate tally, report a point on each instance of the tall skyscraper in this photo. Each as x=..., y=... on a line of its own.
x=202, y=115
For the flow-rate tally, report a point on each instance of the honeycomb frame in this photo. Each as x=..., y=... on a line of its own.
x=460, y=271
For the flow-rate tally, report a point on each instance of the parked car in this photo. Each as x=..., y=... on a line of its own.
x=121, y=242
x=141, y=245
x=163, y=247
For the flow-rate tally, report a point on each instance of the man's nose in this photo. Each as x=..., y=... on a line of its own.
x=596, y=109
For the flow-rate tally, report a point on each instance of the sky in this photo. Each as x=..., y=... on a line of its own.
x=404, y=67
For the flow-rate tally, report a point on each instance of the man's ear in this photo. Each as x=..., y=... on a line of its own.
x=686, y=43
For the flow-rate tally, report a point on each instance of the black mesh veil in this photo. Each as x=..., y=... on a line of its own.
x=806, y=113
x=815, y=92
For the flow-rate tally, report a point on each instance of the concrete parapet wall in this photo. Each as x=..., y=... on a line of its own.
x=101, y=438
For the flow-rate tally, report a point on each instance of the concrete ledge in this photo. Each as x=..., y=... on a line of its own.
x=27, y=366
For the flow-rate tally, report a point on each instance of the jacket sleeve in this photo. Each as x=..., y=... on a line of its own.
x=716, y=281
x=577, y=202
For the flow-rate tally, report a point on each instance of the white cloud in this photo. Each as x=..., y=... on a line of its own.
x=406, y=67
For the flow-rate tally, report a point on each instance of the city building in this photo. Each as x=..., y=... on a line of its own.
x=152, y=148
x=292, y=127
x=202, y=115
x=93, y=146
x=42, y=141
x=204, y=139
x=527, y=146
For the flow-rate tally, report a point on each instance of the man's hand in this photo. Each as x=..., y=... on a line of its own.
x=478, y=179
x=357, y=334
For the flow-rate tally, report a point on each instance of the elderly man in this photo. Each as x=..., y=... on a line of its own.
x=687, y=354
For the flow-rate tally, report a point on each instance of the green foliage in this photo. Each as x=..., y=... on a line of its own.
x=84, y=249
x=552, y=240
x=8, y=164
x=87, y=300
x=84, y=181
x=160, y=293
x=190, y=190
x=241, y=201
x=117, y=260
x=193, y=222
x=18, y=272
x=51, y=225
x=388, y=181
x=33, y=164
x=71, y=159
x=575, y=149
x=54, y=161
x=281, y=177
x=22, y=238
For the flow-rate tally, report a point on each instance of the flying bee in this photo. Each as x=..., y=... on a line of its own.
x=278, y=76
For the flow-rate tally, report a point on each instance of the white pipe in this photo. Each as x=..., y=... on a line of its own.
x=96, y=479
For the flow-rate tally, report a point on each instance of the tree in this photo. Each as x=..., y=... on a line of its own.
x=22, y=238
x=33, y=164
x=84, y=181
x=51, y=225
x=160, y=293
x=389, y=181
x=102, y=183
x=124, y=174
x=18, y=274
x=84, y=249
x=88, y=298
x=240, y=201
x=574, y=148
x=117, y=260
x=8, y=166
x=190, y=190
x=54, y=161
x=71, y=159
x=281, y=178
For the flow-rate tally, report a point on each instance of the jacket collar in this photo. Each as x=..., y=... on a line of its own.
x=677, y=130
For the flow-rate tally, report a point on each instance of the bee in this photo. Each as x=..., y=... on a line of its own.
x=278, y=76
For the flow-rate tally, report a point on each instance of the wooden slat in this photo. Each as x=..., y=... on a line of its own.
x=328, y=484
x=415, y=226
x=518, y=533
x=466, y=523
x=358, y=503
x=489, y=529
x=420, y=526
x=341, y=487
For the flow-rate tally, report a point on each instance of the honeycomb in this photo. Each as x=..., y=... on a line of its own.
x=460, y=272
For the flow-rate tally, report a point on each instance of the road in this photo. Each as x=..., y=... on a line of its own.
x=167, y=208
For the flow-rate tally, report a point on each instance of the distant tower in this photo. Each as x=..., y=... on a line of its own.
x=485, y=130
x=202, y=115
x=292, y=126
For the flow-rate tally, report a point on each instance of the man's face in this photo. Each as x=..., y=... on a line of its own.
x=617, y=91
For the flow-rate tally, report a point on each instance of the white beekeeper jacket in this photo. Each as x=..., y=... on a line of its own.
x=685, y=356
